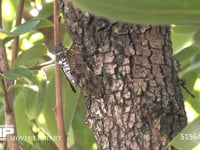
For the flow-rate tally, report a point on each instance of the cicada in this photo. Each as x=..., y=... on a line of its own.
x=77, y=71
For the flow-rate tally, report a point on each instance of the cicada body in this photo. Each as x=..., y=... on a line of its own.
x=77, y=71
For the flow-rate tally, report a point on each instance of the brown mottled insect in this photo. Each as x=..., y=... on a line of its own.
x=77, y=71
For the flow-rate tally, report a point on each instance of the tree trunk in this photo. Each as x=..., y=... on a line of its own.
x=141, y=106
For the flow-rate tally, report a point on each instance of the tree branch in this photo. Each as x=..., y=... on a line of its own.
x=8, y=95
x=38, y=67
x=58, y=107
x=15, y=47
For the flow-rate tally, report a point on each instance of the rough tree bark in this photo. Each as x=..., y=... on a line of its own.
x=141, y=105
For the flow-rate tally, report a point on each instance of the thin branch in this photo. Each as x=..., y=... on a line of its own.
x=8, y=108
x=8, y=96
x=15, y=47
x=38, y=67
x=58, y=107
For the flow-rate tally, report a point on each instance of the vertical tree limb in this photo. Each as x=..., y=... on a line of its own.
x=58, y=107
x=15, y=47
x=8, y=95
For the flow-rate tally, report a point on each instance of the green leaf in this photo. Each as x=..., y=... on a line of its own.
x=49, y=104
x=46, y=10
x=43, y=23
x=190, y=79
x=70, y=138
x=187, y=53
x=22, y=121
x=47, y=145
x=184, y=56
x=2, y=110
x=196, y=59
x=197, y=38
x=18, y=73
x=8, y=16
x=30, y=93
x=189, y=137
x=41, y=94
x=182, y=36
x=69, y=100
x=33, y=96
x=195, y=64
x=25, y=27
x=185, y=29
x=36, y=147
x=7, y=33
x=29, y=56
x=82, y=133
x=145, y=11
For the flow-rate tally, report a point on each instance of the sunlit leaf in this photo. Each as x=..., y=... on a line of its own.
x=70, y=138
x=8, y=13
x=25, y=27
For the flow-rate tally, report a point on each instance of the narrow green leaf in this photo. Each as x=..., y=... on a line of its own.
x=184, y=56
x=22, y=121
x=195, y=67
x=195, y=59
x=25, y=27
x=195, y=64
x=17, y=73
x=29, y=94
x=189, y=137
